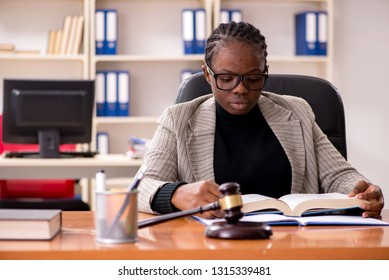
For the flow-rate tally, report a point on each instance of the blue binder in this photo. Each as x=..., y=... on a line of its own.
x=322, y=33
x=225, y=16
x=228, y=15
x=111, y=26
x=188, y=31
x=306, y=33
x=111, y=97
x=99, y=31
x=236, y=15
x=123, y=93
x=200, y=30
x=100, y=94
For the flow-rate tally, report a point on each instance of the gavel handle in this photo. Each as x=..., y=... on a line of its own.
x=171, y=216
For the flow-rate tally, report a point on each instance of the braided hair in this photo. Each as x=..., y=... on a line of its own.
x=241, y=31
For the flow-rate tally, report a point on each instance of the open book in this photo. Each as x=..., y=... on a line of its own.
x=281, y=220
x=301, y=204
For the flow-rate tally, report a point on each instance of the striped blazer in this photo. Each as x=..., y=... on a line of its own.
x=183, y=144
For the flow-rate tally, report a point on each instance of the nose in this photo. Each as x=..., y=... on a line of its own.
x=240, y=88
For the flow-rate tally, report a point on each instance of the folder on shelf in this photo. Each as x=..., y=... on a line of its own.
x=102, y=143
x=200, y=31
x=321, y=46
x=111, y=25
x=100, y=93
x=188, y=31
x=123, y=93
x=100, y=31
x=224, y=16
x=236, y=15
x=228, y=15
x=306, y=33
x=111, y=96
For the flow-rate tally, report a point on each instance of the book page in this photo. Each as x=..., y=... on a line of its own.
x=257, y=202
x=275, y=219
x=300, y=203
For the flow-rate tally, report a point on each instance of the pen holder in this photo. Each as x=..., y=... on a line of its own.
x=116, y=217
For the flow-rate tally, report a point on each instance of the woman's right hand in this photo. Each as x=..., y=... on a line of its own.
x=190, y=196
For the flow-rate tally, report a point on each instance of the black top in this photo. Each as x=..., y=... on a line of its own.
x=247, y=152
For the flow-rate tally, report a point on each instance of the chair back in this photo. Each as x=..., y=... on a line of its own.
x=320, y=94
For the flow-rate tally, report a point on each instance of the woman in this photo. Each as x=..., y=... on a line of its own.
x=268, y=143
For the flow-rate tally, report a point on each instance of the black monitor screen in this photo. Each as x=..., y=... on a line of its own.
x=48, y=113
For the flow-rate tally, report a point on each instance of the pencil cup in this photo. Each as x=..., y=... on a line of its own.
x=116, y=217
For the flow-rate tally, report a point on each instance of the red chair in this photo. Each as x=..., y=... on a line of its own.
x=37, y=193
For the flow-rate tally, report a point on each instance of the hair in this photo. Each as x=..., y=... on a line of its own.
x=242, y=32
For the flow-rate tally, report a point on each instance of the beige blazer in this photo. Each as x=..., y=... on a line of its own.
x=182, y=147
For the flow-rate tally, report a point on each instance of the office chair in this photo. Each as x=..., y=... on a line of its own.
x=320, y=94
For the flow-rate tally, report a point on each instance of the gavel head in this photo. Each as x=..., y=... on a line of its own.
x=231, y=202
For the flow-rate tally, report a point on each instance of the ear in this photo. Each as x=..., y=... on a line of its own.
x=206, y=74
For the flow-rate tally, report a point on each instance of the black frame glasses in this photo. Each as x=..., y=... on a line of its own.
x=227, y=81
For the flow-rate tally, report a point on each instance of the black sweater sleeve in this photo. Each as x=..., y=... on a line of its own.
x=162, y=199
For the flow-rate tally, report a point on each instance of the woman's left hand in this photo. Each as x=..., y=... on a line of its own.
x=371, y=193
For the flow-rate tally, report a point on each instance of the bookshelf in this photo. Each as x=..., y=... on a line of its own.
x=151, y=50
x=275, y=19
x=26, y=25
x=149, y=47
x=163, y=61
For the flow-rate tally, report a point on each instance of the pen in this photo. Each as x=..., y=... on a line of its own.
x=133, y=187
x=100, y=181
x=101, y=215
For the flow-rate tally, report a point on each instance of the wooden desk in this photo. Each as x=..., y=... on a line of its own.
x=114, y=166
x=184, y=239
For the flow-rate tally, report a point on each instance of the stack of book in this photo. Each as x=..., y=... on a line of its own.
x=68, y=40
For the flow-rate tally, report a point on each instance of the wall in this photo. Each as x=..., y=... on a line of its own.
x=361, y=73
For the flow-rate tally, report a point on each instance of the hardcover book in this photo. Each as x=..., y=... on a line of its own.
x=299, y=204
x=29, y=224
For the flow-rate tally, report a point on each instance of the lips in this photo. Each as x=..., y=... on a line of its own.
x=239, y=104
x=240, y=101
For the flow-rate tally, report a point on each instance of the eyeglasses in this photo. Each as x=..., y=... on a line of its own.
x=230, y=81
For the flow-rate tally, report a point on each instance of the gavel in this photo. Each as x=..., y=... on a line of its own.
x=230, y=202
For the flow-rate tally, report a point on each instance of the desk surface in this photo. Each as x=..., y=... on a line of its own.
x=30, y=168
x=184, y=238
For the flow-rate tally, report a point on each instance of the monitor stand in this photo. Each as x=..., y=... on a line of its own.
x=48, y=143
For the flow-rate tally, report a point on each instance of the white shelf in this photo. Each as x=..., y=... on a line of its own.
x=141, y=58
x=126, y=120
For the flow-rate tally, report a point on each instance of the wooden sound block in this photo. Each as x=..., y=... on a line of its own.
x=239, y=230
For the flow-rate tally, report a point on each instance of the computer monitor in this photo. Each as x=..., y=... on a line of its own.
x=48, y=113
